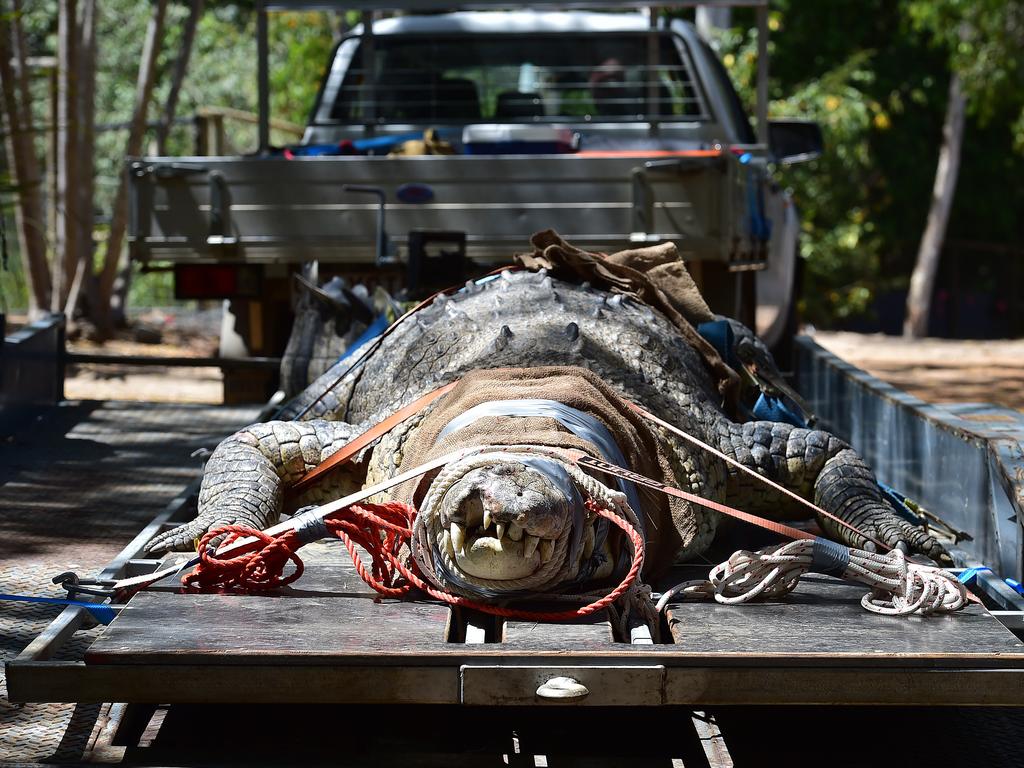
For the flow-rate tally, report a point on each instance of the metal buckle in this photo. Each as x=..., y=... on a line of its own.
x=74, y=585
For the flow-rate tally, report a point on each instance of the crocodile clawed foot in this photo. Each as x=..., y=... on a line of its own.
x=897, y=533
x=185, y=537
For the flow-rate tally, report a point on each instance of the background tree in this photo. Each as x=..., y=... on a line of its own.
x=984, y=39
x=876, y=77
x=108, y=101
x=22, y=160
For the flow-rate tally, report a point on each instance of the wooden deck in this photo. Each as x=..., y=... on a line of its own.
x=330, y=641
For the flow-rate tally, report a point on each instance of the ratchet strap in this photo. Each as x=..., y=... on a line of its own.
x=347, y=451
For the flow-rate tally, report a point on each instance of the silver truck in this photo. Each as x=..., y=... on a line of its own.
x=611, y=128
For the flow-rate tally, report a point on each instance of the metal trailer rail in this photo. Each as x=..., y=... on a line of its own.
x=130, y=561
x=964, y=461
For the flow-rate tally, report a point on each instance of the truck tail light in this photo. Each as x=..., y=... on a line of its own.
x=218, y=281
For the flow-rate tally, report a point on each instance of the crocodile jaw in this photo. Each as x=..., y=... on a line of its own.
x=503, y=521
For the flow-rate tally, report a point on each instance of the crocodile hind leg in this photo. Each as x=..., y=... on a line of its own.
x=246, y=475
x=818, y=465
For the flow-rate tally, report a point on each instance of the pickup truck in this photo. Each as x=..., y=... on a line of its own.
x=610, y=128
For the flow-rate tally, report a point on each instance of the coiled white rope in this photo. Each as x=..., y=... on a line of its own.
x=899, y=587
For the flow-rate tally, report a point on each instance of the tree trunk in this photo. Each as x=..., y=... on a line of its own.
x=23, y=161
x=922, y=281
x=180, y=69
x=136, y=133
x=85, y=112
x=65, y=260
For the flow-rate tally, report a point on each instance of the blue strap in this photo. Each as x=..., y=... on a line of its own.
x=719, y=334
x=103, y=613
x=375, y=329
x=1015, y=585
x=772, y=408
x=899, y=503
x=968, y=575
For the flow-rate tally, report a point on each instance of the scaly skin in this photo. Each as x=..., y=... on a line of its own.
x=528, y=320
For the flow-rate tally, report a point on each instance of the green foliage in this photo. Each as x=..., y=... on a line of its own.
x=13, y=290
x=983, y=39
x=874, y=74
x=222, y=73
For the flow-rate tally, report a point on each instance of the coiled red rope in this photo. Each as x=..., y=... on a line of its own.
x=381, y=530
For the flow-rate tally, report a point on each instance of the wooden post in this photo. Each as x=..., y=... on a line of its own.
x=67, y=242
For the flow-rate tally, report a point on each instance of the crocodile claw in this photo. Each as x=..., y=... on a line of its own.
x=183, y=538
x=897, y=533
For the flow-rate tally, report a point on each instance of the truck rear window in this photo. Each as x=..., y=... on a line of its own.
x=518, y=78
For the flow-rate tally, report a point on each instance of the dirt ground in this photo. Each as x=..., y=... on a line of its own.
x=157, y=333
x=938, y=370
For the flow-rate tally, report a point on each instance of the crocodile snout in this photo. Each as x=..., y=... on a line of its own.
x=505, y=520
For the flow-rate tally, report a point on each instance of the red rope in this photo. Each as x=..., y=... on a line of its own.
x=381, y=530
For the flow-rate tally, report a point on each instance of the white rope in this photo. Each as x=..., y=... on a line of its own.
x=899, y=587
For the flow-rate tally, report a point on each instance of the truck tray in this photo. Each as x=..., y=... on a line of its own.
x=330, y=640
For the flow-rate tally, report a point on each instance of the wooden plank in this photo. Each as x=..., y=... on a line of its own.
x=820, y=625
x=204, y=628
x=695, y=686
x=823, y=616
x=592, y=632
x=328, y=571
x=716, y=686
x=260, y=684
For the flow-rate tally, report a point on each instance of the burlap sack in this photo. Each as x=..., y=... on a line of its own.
x=666, y=521
x=655, y=276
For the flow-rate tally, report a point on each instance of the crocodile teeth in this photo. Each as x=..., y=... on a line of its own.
x=487, y=520
x=500, y=528
x=547, y=549
x=458, y=534
x=515, y=531
x=530, y=545
x=588, y=542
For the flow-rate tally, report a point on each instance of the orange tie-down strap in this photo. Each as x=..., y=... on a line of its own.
x=757, y=476
x=349, y=450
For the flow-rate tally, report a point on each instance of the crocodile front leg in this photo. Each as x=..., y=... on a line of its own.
x=246, y=475
x=818, y=465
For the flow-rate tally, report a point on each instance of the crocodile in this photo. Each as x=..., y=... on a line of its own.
x=508, y=519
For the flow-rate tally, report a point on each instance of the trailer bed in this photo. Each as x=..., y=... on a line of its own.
x=329, y=640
